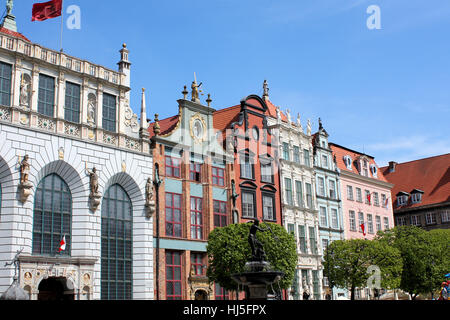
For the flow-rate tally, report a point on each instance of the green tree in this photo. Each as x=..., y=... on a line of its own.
x=228, y=251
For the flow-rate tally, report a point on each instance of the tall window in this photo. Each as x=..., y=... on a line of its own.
x=46, y=97
x=352, y=220
x=288, y=191
x=368, y=197
x=286, y=151
x=306, y=160
x=415, y=220
x=302, y=238
x=72, y=105
x=369, y=223
x=116, y=245
x=197, y=263
x=218, y=176
x=312, y=240
x=386, y=223
x=109, y=112
x=296, y=154
x=316, y=290
x=220, y=213
x=5, y=84
x=349, y=192
x=358, y=195
x=52, y=219
x=173, y=214
x=376, y=199
x=266, y=172
x=196, y=218
x=309, y=196
x=248, y=204
x=268, y=207
x=360, y=221
x=173, y=275
x=321, y=186
x=324, y=161
x=378, y=223
x=334, y=218
x=195, y=171
x=383, y=201
x=173, y=167
x=299, y=193
x=246, y=168
x=332, y=187
x=323, y=217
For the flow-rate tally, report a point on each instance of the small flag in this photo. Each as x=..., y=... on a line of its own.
x=368, y=197
x=386, y=202
x=46, y=10
x=363, y=228
x=62, y=244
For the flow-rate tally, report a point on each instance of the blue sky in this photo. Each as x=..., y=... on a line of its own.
x=385, y=92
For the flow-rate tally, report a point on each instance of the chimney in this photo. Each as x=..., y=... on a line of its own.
x=392, y=166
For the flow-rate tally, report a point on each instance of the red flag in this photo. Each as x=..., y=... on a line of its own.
x=62, y=244
x=46, y=10
x=363, y=229
x=368, y=197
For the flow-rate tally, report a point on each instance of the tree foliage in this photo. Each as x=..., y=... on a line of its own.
x=228, y=251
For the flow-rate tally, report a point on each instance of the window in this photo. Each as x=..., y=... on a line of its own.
x=286, y=151
x=402, y=200
x=288, y=191
x=350, y=193
x=369, y=223
x=415, y=221
x=316, y=285
x=374, y=170
x=5, y=84
x=173, y=167
x=302, y=239
x=195, y=171
x=358, y=195
x=173, y=214
x=246, y=168
x=323, y=217
x=334, y=218
x=46, y=97
x=296, y=154
x=266, y=172
x=361, y=221
x=386, y=223
x=220, y=213
x=321, y=186
x=248, y=204
x=197, y=263
x=116, y=245
x=306, y=159
x=309, y=198
x=312, y=240
x=268, y=207
x=416, y=197
x=324, y=161
x=401, y=221
x=348, y=162
x=299, y=193
x=109, y=112
x=376, y=200
x=430, y=218
x=72, y=103
x=291, y=229
x=218, y=176
x=52, y=218
x=352, y=220
x=365, y=169
x=173, y=275
x=378, y=223
x=445, y=215
x=324, y=245
x=196, y=218
x=220, y=293
x=368, y=197
x=384, y=200
x=332, y=186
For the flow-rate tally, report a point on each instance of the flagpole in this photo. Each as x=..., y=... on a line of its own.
x=62, y=26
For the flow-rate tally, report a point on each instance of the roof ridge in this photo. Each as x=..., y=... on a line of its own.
x=416, y=160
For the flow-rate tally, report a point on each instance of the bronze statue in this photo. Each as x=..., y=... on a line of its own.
x=195, y=88
x=258, y=253
x=234, y=195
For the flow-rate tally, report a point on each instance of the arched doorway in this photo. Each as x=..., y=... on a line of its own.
x=55, y=289
x=201, y=295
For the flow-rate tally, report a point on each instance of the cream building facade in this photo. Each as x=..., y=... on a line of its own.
x=61, y=117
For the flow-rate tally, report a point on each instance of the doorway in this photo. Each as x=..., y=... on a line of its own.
x=201, y=295
x=55, y=289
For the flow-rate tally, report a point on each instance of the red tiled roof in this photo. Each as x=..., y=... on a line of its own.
x=166, y=125
x=340, y=152
x=431, y=175
x=14, y=34
x=273, y=111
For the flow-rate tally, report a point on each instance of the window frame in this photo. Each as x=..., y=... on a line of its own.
x=173, y=222
x=266, y=195
x=197, y=218
x=5, y=84
x=253, y=204
x=109, y=112
x=172, y=266
x=72, y=103
x=46, y=95
x=171, y=167
x=219, y=176
x=221, y=214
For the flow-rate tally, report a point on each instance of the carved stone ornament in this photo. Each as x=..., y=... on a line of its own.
x=25, y=185
x=25, y=91
x=95, y=196
x=150, y=204
x=131, y=119
x=92, y=107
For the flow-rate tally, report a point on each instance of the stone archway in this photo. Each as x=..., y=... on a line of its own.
x=201, y=295
x=56, y=289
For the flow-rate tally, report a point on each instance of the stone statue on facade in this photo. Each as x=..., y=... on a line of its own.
x=265, y=90
x=195, y=91
x=25, y=86
x=93, y=186
x=24, y=183
x=149, y=202
x=9, y=6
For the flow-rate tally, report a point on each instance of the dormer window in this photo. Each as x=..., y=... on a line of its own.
x=402, y=198
x=374, y=170
x=348, y=162
x=364, y=170
x=416, y=196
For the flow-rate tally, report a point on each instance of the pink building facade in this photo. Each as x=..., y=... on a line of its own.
x=366, y=194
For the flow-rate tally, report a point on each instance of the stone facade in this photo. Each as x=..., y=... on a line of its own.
x=57, y=144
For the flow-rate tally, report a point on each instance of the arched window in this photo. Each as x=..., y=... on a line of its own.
x=116, y=272
x=52, y=219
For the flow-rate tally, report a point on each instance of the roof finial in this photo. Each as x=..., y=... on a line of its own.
x=185, y=93
x=208, y=101
x=144, y=123
x=265, y=90
x=156, y=127
x=320, y=124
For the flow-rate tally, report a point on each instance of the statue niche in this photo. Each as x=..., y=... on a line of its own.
x=91, y=109
x=25, y=91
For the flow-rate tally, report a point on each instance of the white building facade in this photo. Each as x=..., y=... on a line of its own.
x=61, y=117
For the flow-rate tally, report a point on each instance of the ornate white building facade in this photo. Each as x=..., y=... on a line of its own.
x=61, y=117
x=298, y=201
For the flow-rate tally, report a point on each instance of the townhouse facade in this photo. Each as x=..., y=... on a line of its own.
x=74, y=166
